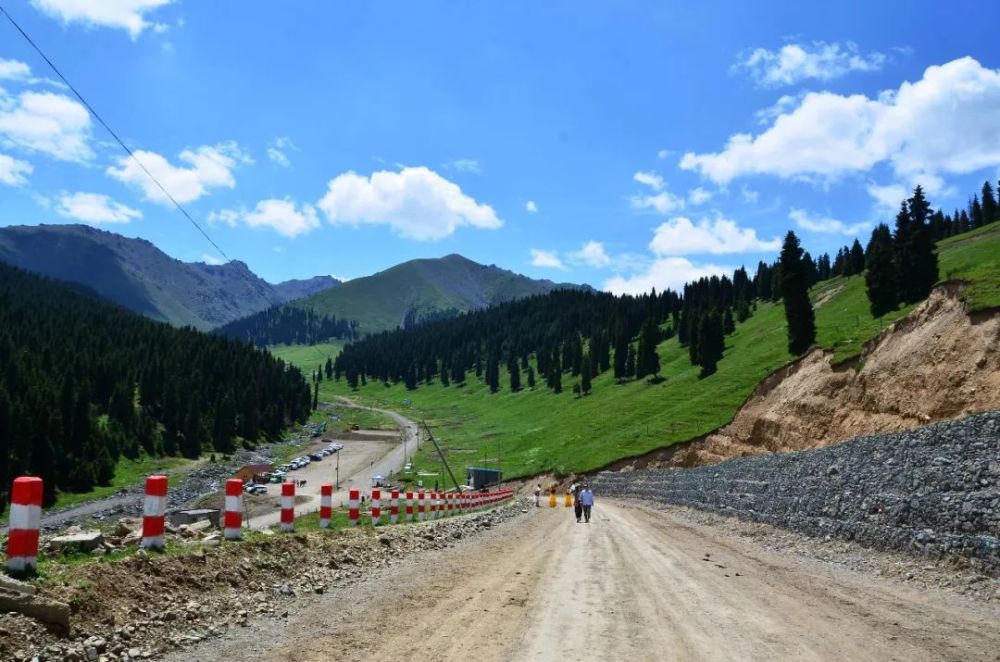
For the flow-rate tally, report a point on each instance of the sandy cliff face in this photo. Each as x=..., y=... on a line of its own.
x=937, y=363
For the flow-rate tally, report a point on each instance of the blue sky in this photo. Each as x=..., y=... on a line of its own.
x=625, y=144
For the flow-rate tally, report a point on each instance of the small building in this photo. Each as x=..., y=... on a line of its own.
x=254, y=473
x=480, y=477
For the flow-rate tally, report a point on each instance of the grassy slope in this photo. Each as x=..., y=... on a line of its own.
x=538, y=431
x=307, y=357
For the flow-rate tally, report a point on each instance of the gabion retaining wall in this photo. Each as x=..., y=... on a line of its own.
x=934, y=490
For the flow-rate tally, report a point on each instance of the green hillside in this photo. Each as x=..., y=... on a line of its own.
x=413, y=290
x=536, y=431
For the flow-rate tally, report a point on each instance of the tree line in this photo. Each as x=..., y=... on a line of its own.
x=84, y=382
x=288, y=325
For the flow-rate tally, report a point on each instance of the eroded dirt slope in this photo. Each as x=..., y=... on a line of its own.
x=937, y=363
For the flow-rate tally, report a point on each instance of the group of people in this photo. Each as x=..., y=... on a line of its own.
x=583, y=500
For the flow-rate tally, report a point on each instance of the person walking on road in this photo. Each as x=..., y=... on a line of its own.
x=587, y=501
x=577, y=506
x=538, y=495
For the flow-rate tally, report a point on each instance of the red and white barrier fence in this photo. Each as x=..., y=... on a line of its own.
x=394, y=507
x=420, y=506
x=376, y=507
x=409, y=506
x=353, y=510
x=25, y=520
x=154, y=512
x=233, y=516
x=288, y=506
x=325, y=505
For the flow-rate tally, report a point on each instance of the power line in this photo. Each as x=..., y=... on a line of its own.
x=110, y=131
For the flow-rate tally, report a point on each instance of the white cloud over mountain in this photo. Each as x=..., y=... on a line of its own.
x=208, y=167
x=94, y=208
x=681, y=236
x=45, y=122
x=415, y=202
x=547, y=259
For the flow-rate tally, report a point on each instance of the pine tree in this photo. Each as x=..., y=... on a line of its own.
x=514, y=371
x=881, y=280
x=856, y=258
x=711, y=342
x=630, y=362
x=647, y=361
x=976, y=212
x=621, y=354
x=445, y=377
x=316, y=396
x=585, y=374
x=410, y=378
x=493, y=373
x=531, y=377
x=922, y=273
x=728, y=326
x=798, y=309
x=989, y=203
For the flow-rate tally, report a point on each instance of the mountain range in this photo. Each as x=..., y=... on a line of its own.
x=137, y=275
x=424, y=289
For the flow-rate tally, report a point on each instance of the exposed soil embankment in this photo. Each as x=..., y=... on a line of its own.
x=937, y=363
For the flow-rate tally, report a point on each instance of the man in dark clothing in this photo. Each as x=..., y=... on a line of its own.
x=577, y=506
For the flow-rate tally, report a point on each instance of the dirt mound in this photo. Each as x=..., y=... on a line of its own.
x=939, y=362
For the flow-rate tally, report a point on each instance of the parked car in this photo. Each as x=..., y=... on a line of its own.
x=316, y=457
x=255, y=488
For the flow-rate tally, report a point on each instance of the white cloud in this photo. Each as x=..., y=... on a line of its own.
x=531, y=207
x=276, y=151
x=45, y=122
x=680, y=236
x=14, y=70
x=592, y=254
x=127, y=15
x=13, y=171
x=784, y=104
x=663, y=273
x=796, y=62
x=94, y=208
x=416, y=202
x=887, y=197
x=664, y=153
x=825, y=224
x=699, y=196
x=467, y=165
x=212, y=259
x=208, y=167
x=943, y=123
x=660, y=200
x=281, y=215
x=540, y=258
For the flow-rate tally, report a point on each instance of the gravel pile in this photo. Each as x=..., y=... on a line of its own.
x=934, y=491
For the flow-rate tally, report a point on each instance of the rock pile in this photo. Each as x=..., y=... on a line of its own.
x=933, y=490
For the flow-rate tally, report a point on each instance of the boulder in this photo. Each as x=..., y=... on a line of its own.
x=85, y=541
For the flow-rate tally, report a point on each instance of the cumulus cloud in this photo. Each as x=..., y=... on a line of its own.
x=663, y=273
x=283, y=216
x=467, y=165
x=14, y=70
x=208, y=167
x=794, y=63
x=542, y=258
x=212, y=259
x=824, y=224
x=416, y=202
x=942, y=124
x=277, y=151
x=680, y=236
x=658, y=199
x=13, y=172
x=592, y=254
x=128, y=15
x=887, y=197
x=531, y=207
x=748, y=195
x=94, y=208
x=45, y=122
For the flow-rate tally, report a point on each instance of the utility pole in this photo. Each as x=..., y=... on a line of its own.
x=337, y=488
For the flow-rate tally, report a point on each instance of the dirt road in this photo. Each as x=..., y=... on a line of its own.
x=634, y=584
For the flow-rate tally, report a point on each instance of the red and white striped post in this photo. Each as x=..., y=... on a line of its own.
x=233, y=517
x=154, y=510
x=409, y=506
x=420, y=506
x=394, y=507
x=288, y=506
x=25, y=520
x=325, y=505
x=376, y=507
x=353, y=512
x=449, y=500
